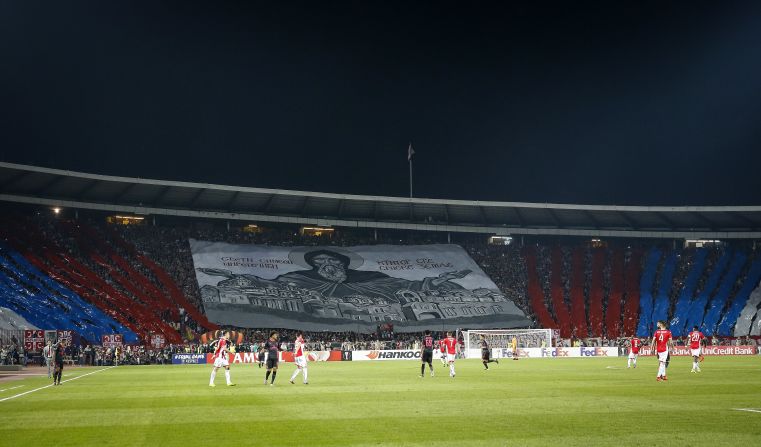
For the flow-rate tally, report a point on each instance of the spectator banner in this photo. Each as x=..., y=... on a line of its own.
x=349, y=288
x=112, y=341
x=158, y=341
x=396, y=354
x=707, y=350
x=68, y=338
x=189, y=359
x=34, y=340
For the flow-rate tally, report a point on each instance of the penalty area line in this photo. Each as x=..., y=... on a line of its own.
x=751, y=410
x=48, y=386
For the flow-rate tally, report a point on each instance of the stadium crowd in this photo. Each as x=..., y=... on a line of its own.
x=168, y=246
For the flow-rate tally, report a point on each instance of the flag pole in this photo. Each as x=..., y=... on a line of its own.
x=410, y=153
x=410, y=177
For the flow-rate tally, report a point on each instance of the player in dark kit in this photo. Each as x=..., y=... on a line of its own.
x=426, y=353
x=261, y=356
x=58, y=362
x=272, y=357
x=486, y=354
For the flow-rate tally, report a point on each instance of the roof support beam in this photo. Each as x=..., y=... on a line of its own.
x=594, y=220
x=15, y=178
x=161, y=195
x=196, y=196
x=665, y=218
x=446, y=213
x=231, y=202
x=87, y=188
x=554, y=217
x=709, y=224
x=483, y=215
x=268, y=204
x=628, y=220
x=304, y=204
x=126, y=190
x=740, y=216
x=50, y=184
x=518, y=214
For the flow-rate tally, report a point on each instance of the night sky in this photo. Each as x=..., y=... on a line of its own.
x=572, y=102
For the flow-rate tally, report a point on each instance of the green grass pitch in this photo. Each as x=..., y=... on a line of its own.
x=566, y=402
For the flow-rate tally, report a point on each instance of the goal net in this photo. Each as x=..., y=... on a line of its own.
x=500, y=341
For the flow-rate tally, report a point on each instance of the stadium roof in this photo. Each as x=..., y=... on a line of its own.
x=54, y=187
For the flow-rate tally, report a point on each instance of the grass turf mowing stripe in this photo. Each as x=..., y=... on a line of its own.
x=48, y=386
x=537, y=402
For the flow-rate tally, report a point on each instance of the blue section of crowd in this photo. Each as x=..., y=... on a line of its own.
x=646, y=292
x=46, y=304
x=685, y=295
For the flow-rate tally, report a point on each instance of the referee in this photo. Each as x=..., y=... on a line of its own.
x=58, y=361
x=47, y=353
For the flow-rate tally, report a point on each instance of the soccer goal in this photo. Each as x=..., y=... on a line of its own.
x=500, y=341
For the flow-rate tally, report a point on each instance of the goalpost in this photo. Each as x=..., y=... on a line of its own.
x=500, y=341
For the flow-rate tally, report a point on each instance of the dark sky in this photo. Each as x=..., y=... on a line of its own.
x=576, y=102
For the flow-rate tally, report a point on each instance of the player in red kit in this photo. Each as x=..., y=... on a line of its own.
x=697, y=340
x=299, y=357
x=451, y=345
x=662, y=344
x=634, y=345
x=443, y=352
x=220, y=359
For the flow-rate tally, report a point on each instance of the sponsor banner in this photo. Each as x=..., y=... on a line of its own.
x=548, y=352
x=707, y=350
x=112, y=341
x=396, y=354
x=34, y=340
x=314, y=356
x=349, y=288
x=285, y=356
x=188, y=359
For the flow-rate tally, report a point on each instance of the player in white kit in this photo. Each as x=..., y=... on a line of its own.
x=299, y=357
x=220, y=359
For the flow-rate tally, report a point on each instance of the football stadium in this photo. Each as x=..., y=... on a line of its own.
x=180, y=265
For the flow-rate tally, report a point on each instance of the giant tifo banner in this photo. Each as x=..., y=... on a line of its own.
x=707, y=350
x=413, y=287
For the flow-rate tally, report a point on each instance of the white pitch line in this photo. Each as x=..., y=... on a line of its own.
x=752, y=410
x=48, y=386
x=11, y=388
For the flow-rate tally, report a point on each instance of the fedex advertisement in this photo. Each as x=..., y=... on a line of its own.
x=503, y=353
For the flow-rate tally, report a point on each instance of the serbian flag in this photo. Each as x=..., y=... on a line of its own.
x=410, y=152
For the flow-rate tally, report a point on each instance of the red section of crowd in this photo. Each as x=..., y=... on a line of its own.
x=109, y=273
